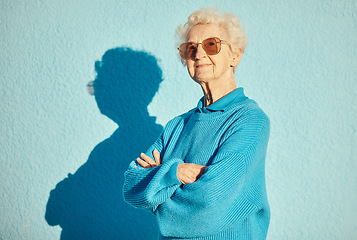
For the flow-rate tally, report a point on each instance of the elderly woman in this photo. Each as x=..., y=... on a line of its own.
x=204, y=176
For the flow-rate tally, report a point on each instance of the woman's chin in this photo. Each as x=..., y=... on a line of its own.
x=202, y=78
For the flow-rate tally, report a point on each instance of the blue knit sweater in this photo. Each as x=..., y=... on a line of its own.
x=229, y=200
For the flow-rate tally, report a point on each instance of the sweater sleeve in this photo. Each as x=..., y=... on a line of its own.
x=231, y=189
x=149, y=187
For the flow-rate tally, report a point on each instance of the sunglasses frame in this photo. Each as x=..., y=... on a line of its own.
x=182, y=53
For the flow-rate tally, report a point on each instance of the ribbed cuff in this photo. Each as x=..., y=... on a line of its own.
x=171, y=176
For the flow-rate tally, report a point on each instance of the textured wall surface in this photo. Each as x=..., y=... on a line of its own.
x=300, y=66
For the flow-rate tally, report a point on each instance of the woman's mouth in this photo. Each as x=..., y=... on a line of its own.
x=202, y=65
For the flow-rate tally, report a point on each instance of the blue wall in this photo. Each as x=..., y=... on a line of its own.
x=300, y=66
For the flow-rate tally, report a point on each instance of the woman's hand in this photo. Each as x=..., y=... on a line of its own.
x=186, y=172
x=146, y=162
x=189, y=172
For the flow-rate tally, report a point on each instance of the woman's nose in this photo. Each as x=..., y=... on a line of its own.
x=200, y=52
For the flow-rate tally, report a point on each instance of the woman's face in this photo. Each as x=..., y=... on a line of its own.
x=206, y=68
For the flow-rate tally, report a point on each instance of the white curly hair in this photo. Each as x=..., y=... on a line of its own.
x=237, y=39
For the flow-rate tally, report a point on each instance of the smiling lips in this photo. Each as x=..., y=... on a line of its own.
x=202, y=65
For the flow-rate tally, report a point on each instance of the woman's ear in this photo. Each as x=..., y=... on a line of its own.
x=236, y=58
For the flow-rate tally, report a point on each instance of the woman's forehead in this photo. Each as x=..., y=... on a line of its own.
x=200, y=32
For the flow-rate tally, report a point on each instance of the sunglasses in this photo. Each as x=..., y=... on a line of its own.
x=212, y=46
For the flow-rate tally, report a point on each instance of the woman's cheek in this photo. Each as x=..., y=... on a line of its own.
x=191, y=69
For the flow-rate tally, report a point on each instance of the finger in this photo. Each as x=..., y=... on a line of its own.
x=196, y=166
x=147, y=159
x=185, y=180
x=157, y=157
x=199, y=175
x=192, y=179
x=201, y=172
x=189, y=177
x=195, y=173
x=143, y=163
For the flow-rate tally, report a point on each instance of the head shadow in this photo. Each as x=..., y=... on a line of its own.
x=89, y=204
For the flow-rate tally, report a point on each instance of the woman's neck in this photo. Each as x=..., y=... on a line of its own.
x=213, y=91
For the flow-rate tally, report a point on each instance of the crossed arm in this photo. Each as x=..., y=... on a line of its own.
x=231, y=188
x=186, y=172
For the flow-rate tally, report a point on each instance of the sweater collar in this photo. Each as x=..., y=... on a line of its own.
x=222, y=104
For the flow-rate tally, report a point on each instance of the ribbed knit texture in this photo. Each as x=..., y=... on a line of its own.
x=229, y=200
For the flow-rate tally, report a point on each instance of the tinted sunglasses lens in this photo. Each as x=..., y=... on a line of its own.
x=187, y=50
x=211, y=46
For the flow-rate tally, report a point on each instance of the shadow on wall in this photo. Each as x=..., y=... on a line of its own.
x=89, y=203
